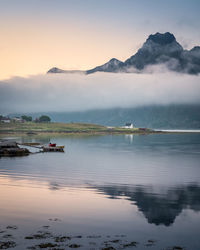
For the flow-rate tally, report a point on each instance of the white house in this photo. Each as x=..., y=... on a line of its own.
x=18, y=119
x=129, y=125
x=5, y=120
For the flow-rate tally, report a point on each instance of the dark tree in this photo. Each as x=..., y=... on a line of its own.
x=44, y=118
x=26, y=118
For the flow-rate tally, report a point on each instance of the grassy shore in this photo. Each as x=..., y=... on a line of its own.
x=68, y=128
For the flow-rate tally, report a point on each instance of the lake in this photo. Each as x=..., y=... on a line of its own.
x=104, y=192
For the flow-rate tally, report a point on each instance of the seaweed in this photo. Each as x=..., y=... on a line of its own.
x=7, y=244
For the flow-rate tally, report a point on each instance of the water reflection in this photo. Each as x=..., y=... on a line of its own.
x=158, y=208
x=159, y=205
x=129, y=138
x=100, y=183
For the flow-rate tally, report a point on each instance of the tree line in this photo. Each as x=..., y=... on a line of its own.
x=42, y=118
x=26, y=118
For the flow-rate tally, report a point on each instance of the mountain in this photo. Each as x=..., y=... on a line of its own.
x=157, y=49
x=113, y=65
x=57, y=70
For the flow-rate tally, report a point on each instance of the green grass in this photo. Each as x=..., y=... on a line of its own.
x=32, y=127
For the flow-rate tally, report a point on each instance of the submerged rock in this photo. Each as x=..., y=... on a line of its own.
x=62, y=238
x=131, y=244
x=74, y=246
x=7, y=244
x=38, y=236
x=108, y=248
x=150, y=243
x=47, y=245
x=7, y=236
x=13, y=227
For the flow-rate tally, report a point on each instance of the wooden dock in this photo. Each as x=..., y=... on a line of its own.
x=53, y=149
x=44, y=148
x=12, y=148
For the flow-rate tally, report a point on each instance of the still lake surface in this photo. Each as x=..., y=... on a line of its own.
x=109, y=190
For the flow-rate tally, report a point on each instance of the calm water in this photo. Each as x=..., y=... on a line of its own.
x=105, y=188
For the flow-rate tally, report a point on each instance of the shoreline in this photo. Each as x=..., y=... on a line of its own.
x=16, y=133
x=180, y=130
x=96, y=133
x=31, y=128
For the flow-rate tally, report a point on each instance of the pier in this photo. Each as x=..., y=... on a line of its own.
x=12, y=148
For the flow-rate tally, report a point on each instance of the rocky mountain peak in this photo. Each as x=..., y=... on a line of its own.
x=162, y=39
x=54, y=70
x=114, y=60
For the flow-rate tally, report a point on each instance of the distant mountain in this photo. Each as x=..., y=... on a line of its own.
x=57, y=70
x=158, y=49
x=113, y=65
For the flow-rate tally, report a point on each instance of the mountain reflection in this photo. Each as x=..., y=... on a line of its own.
x=158, y=208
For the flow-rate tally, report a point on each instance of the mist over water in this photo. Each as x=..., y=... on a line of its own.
x=79, y=92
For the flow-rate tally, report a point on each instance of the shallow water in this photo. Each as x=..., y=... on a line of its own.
x=143, y=188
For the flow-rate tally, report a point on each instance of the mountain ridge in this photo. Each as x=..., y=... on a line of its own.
x=159, y=48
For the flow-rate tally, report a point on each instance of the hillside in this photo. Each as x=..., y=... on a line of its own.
x=166, y=117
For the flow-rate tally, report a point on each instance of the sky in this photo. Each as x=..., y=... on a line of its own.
x=37, y=35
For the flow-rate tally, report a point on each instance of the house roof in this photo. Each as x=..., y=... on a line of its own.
x=5, y=119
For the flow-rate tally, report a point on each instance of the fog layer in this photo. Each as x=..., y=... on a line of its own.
x=78, y=92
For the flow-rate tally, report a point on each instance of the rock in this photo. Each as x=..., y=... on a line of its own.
x=74, y=246
x=7, y=244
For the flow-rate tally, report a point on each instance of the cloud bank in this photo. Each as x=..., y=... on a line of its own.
x=79, y=92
